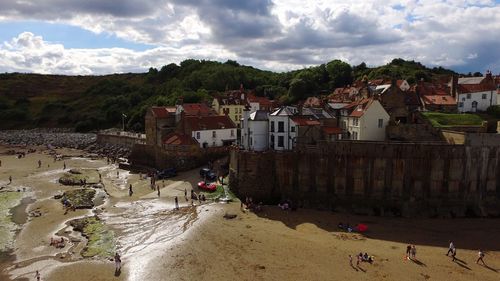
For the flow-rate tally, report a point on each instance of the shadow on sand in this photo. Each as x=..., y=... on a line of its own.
x=469, y=234
x=418, y=262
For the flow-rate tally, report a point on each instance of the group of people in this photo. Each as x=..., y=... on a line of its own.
x=453, y=251
x=286, y=205
x=411, y=252
x=361, y=258
x=250, y=205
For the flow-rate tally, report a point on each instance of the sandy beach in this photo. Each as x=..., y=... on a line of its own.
x=197, y=243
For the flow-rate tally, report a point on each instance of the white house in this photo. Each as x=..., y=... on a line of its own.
x=282, y=131
x=365, y=119
x=255, y=130
x=475, y=93
x=210, y=131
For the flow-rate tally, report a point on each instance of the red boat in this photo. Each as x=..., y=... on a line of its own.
x=209, y=187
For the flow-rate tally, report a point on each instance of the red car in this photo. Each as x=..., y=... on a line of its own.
x=209, y=187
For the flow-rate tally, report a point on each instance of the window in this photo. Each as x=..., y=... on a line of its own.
x=468, y=96
x=344, y=124
x=272, y=126
x=272, y=141
x=460, y=104
x=198, y=135
x=484, y=96
x=281, y=141
x=463, y=99
x=214, y=134
x=251, y=141
x=281, y=126
x=380, y=123
x=354, y=135
x=292, y=129
x=232, y=133
x=355, y=122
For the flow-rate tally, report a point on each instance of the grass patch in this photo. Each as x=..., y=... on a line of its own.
x=101, y=240
x=438, y=119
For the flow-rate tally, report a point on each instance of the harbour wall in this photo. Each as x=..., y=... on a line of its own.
x=377, y=178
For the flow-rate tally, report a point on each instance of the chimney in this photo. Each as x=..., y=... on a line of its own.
x=488, y=75
x=454, y=85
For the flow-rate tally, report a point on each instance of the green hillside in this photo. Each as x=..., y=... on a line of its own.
x=96, y=102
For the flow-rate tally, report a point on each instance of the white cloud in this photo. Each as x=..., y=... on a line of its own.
x=277, y=35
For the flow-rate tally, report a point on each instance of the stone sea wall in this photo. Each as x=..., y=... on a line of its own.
x=377, y=178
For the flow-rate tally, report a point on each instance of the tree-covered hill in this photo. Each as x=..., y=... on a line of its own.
x=96, y=102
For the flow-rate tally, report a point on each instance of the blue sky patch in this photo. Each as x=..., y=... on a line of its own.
x=69, y=36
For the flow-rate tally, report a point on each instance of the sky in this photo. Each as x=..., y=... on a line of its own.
x=109, y=36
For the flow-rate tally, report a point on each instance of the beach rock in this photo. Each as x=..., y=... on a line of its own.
x=80, y=198
x=229, y=216
x=75, y=171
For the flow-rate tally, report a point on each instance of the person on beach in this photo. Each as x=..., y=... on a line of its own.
x=39, y=164
x=100, y=177
x=350, y=260
x=360, y=258
x=64, y=165
x=118, y=263
x=130, y=191
x=408, y=250
x=185, y=193
x=117, y=174
x=176, y=203
x=453, y=254
x=413, y=252
x=450, y=248
x=10, y=179
x=480, y=255
x=158, y=191
x=37, y=275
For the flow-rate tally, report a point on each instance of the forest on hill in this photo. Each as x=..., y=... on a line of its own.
x=96, y=102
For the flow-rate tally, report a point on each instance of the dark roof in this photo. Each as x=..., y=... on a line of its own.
x=475, y=88
x=330, y=130
x=197, y=109
x=212, y=122
x=358, y=108
x=304, y=120
x=162, y=111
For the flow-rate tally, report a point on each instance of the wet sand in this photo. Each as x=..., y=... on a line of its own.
x=197, y=243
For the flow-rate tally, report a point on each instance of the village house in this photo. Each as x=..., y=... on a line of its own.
x=435, y=97
x=208, y=131
x=259, y=103
x=381, y=84
x=159, y=121
x=232, y=104
x=307, y=129
x=162, y=120
x=474, y=94
x=393, y=99
x=255, y=130
x=281, y=132
x=177, y=143
x=365, y=119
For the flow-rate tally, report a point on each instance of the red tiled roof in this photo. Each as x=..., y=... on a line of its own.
x=212, y=122
x=197, y=109
x=262, y=101
x=179, y=139
x=439, y=100
x=162, y=111
x=359, y=107
x=305, y=121
x=330, y=130
x=475, y=88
